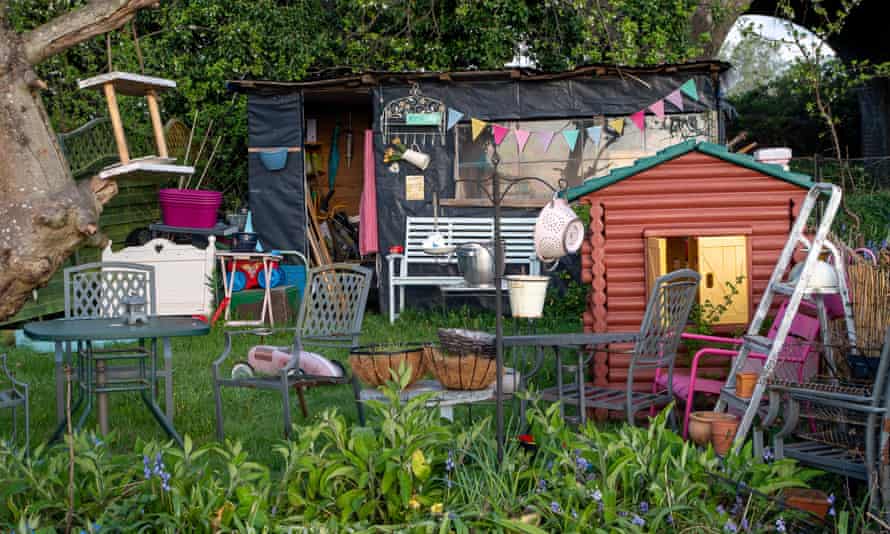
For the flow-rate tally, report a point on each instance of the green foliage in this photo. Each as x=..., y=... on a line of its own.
x=408, y=471
x=566, y=306
x=203, y=43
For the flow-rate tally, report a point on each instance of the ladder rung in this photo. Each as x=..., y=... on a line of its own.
x=784, y=288
x=759, y=344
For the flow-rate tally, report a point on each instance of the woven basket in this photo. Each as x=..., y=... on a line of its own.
x=373, y=366
x=465, y=372
x=460, y=342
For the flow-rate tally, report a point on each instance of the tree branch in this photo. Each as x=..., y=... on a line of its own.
x=65, y=31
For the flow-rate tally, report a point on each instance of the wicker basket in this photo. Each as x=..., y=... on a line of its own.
x=460, y=342
x=373, y=365
x=464, y=372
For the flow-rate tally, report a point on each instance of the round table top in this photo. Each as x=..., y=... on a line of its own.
x=111, y=329
x=441, y=396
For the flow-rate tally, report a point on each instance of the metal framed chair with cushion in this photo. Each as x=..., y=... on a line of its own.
x=667, y=312
x=331, y=313
x=100, y=291
x=14, y=397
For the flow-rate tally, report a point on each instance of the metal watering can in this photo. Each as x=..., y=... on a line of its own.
x=476, y=263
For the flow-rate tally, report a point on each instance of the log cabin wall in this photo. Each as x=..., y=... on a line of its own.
x=695, y=192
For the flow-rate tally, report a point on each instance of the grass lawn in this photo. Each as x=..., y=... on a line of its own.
x=253, y=417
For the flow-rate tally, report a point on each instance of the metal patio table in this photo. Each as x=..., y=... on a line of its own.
x=569, y=341
x=85, y=331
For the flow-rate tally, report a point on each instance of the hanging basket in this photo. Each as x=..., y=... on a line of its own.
x=462, y=372
x=375, y=365
x=458, y=341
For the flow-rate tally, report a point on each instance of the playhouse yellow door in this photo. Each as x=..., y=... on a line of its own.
x=722, y=261
x=656, y=260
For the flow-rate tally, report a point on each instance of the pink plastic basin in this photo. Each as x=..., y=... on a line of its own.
x=189, y=208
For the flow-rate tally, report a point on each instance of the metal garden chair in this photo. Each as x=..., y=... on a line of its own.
x=331, y=313
x=13, y=399
x=667, y=312
x=99, y=291
x=798, y=352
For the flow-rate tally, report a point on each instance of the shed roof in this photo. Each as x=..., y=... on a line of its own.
x=343, y=79
x=675, y=151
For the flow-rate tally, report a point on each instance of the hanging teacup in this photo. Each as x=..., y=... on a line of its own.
x=558, y=230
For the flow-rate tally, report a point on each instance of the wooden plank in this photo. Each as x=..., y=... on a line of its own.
x=127, y=83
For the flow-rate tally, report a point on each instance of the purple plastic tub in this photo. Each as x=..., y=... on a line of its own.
x=189, y=208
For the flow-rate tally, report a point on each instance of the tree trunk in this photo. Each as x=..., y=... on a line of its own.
x=44, y=214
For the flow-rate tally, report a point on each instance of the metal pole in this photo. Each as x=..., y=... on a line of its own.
x=498, y=306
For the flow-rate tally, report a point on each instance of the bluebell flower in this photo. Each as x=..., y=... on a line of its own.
x=449, y=463
x=542, y=485
x=147, y=467
x=744, y=524
x=574, y=514
x=582, y=463
x=780, y=525
x=597, y=495
x=670, y=519
x=730, y=526
x=549, y=465
x=768, y=455
x=831, y=499
x=622, y=513
x=644, y=507
x=720, y=509
x=638, y=521
x=555, y=508
x=831, y=511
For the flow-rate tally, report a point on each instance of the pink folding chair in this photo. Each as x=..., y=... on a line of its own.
x=794, y=362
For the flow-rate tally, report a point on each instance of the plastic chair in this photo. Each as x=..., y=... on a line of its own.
x=13, y=399
x=796, y=354
x=667, y=312
x=331, y=315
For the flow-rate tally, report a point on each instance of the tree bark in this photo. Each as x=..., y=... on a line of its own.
x=44, y=214
x=715, y=18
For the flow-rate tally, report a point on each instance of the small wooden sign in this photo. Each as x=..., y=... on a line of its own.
x=414, y=187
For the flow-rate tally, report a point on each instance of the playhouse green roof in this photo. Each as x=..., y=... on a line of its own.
x=675, y=151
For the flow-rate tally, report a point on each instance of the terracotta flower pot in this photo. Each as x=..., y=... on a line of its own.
x=744, y=384
x=811, y=500
x=700, y=425
x=722, y=433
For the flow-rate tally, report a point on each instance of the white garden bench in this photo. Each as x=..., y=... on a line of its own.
x=516, y=232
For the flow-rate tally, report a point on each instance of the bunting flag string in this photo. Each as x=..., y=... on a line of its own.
x=499, y=132
x=477, y=127
x=546, y=139
x=639, y=119
x=521, y=138
x=614, y=126
x=571, y=137
x=454, y=116
x=658, y=109
x=594, y=133
x=675, y=98
x=617, y=125
x=689, y=89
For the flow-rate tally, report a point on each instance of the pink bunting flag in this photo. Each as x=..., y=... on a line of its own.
x=546, y=138
x=658, y=109
x=675, y=98
x=499, y=133
x=521, y=138
x=639, y=119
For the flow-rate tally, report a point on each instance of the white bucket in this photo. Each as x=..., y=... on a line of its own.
x=527, y=295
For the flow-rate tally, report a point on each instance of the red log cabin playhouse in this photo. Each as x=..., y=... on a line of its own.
x=694, y=204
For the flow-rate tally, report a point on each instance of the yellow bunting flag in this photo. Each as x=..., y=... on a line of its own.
x=617, y=125
x=477, y=126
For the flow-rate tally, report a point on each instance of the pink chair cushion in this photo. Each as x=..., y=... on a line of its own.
x=681, y=384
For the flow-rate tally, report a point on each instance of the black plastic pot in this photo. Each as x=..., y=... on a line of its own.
x=244, y=242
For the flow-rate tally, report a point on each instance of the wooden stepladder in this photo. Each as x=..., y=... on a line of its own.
x=129, y=84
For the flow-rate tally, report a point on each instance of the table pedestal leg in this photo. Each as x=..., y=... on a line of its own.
x=101, y=398
x=60, y=382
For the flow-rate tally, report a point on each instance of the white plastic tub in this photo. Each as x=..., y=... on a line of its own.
x=527, y=295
